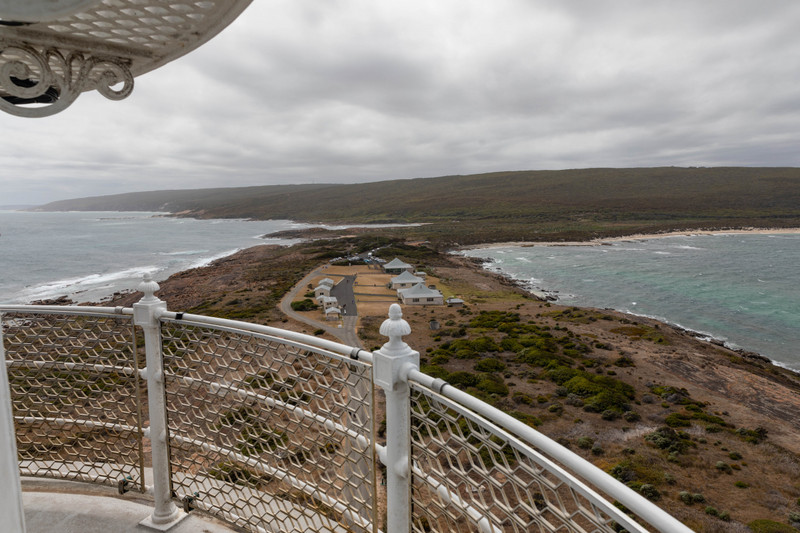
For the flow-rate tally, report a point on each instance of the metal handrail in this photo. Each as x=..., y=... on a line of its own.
x=309, y=341
x=395, y=365
x=642, y=507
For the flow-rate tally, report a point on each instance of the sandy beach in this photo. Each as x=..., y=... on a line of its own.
x=636, y=237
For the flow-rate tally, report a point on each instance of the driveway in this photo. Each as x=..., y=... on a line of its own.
x=347, y=333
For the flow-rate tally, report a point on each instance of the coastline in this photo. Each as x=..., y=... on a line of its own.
x=743, y=345
x=633, y=237
x=539, y=293
x=701, y=336
x=734, y=393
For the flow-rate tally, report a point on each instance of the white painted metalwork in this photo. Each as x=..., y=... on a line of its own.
x=12, y=518
x=46, y=64
x=41, y=10
x=239, y=410
x=146, y=314
x=391, y=365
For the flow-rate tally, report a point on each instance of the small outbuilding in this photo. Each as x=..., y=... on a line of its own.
x=333, y=313
x=419, y=294
x=406, y=280
x=328, y=301
x=455, y=302
x=396, y=266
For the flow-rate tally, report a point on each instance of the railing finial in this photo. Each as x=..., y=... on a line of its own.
x=395, y=327
x=148, y=286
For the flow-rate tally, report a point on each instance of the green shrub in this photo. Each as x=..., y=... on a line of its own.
x=561, y=374
x=490, y=365
x=484, y=344
x=753, y=436
x=463, y=379
x=650, y=492
x=675, y=420
x=492, y=384
x=770, y=526
x=636, y=471
x=735, y=456
x=623, y=361
x=597, y=450
x=685, y=497
x=304, y=305
x=723, y=467
x=435, y=371
x=741, y=484
x=631, y=416
x=521, y=397
x=609, y=414
x=526, y=418
x=439, y=359
x=671, y=441
x=585, y=443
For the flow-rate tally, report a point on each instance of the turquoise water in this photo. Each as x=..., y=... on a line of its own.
x=743, y=289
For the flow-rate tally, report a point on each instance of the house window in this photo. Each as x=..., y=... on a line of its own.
x=415, y=299
x=430, y=299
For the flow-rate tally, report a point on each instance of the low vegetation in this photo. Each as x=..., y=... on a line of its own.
x=505, y=206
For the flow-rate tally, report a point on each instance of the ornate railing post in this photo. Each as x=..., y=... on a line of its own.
x=391, y=365
x=12, y=517
x=146, y=313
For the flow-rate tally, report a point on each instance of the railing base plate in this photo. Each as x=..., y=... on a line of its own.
x=148, y=522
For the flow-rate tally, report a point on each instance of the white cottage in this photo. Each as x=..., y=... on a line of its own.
x=406, y=280
x=333, y=313
x=323, y=289
x=396, y=266
x=328, y=301
x=419, y=294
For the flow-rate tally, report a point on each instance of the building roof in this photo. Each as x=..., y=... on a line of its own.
x=326, y=281
x=329, y=299
x=406, y=277
x=419, y=291
x=396, y=263
x=331, y=310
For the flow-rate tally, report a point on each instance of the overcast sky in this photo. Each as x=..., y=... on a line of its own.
x=298, y=91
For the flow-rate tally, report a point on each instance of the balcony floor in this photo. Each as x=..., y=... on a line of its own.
x=70, y=507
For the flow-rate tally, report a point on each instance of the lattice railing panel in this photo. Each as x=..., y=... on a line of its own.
x=76, y=397
x=150, y=23
x=269, y=435
x=470, y=475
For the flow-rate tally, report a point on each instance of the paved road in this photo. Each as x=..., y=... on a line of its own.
x=343, y=291
x=346, y=334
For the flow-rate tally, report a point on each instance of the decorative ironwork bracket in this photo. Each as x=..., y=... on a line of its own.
x=40, y=82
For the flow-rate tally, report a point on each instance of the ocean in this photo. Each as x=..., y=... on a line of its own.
x=89, y=255
x=742, y=289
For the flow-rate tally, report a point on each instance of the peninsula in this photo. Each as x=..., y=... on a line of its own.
x=708, y=433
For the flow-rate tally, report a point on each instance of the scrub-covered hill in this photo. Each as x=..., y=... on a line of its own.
x=523, y=205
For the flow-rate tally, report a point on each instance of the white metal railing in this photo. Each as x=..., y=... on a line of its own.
x=273, y=430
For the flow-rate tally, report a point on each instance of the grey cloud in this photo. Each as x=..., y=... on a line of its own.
x=355, y=90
